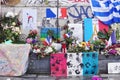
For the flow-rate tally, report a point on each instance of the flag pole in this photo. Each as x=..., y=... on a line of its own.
x=57, y=19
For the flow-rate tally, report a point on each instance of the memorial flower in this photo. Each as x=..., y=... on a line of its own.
x=68, y=38
x=32, y=37
x=10, y=27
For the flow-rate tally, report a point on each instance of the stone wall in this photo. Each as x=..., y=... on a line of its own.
x=77, y=10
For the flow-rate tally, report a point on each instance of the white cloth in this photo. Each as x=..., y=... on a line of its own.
x=14, y=59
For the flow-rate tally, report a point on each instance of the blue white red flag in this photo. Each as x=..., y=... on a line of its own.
x=52, y=13
x=67, y=35
x=107, y=11
x=48, y=40
x=112, y=39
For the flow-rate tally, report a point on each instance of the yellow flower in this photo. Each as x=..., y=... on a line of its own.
x=83, y=44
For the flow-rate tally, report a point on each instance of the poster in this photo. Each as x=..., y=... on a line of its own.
x=58, y=64
x=43, y=33
x=74, y=62
x=90, y=62
x=114, y=67
x=91, y=28
x=77, y=30
x=29, y=21
x=88, y=29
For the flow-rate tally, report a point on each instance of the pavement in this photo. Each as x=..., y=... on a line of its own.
x=48, y=77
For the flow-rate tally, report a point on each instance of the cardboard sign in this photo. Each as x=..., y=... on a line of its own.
x=114, y=67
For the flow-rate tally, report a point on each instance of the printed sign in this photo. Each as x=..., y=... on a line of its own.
x=114, y=67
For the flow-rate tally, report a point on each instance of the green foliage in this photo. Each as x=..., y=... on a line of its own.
x=50, y=32
x=103, y=34
x=9, y=28
x=2, y=36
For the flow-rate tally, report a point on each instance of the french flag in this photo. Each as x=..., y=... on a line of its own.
x=52, y=13
x=48, y=41
x=67, y=35
x=112, y=39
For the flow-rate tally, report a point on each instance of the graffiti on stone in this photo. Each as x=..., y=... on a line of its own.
x=79, y=12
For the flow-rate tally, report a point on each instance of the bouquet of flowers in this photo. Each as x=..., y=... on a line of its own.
x=32, y=37
x=10, y=27
x=68, y=38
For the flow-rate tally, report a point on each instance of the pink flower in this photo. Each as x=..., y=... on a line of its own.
x=35, y=31
x=31, y=32
x=112, y=51
x=29, y=40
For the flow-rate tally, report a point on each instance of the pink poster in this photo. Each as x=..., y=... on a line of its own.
x=58, y=64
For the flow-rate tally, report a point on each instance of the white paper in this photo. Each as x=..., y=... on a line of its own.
x=77, y=31
x=73, y=64
x=29, y=17
x=114, y=67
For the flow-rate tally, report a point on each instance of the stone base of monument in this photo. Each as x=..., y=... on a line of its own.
x=42, y=66
x=38, y=66
x=104, y=60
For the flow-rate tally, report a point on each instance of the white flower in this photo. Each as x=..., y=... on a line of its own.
x=17, y=29
x=48, y=50
x=38, y=50
x=16, y=14
x=13, y=23
x=10, y=14
x=34, y=51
